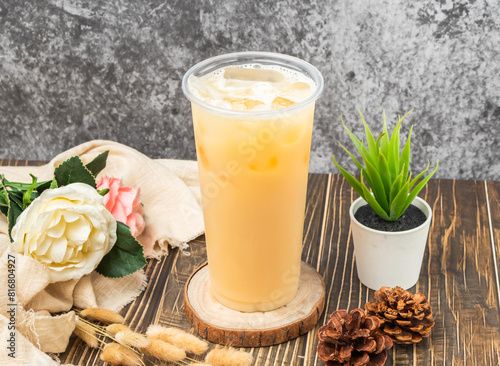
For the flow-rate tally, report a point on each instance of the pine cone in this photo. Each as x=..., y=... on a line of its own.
x=406, y=318
x=352, y=340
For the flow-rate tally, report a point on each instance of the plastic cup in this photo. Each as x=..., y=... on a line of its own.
x=253, y=168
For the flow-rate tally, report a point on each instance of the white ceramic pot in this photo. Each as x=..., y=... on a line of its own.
x=389, y=258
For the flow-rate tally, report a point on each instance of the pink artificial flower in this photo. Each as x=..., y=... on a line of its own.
x=123, y=203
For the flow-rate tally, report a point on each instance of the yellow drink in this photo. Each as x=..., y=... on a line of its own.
x=253, y=166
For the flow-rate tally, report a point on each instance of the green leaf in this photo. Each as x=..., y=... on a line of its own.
x=352, y=156
x=367, y=196
x=4, y=209
x=385, y=174
x=357, y=143
x=14, y=202
x=367, y=154
x=419, y=187
x=73, y=171
x=34, y=195
x=376, y=185
x=379, y=138
x=412, y=182
x=393, y=158
x=98, y=164
x=14, y=187
x=14, y=211
x=405, y=156
x=398, y=204
x=16, y=197
x=349, y=178
x=126, y=256
x=372, y=145
x=4, y=199
x=42, y=186
x=103, y=192
x=384, y=141
x=27, y=194
x=406, y=115
x=396, y=187
x=397, y=145
x=53, y=184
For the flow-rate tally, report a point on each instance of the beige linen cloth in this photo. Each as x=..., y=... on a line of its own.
x=172, y=210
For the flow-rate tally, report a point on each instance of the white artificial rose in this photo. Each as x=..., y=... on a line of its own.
x=68, y=229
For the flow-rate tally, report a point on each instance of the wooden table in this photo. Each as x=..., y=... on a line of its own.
x=459, y=275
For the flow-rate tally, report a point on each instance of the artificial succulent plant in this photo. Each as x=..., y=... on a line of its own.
x=386, y=171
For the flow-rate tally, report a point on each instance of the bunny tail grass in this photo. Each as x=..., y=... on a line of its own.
x=164, y=351
x=228, y=357
x=115, y=328
x=179, y=338
x=102, y=315
x=116, y=354
x=86, y=333
x=132, y=339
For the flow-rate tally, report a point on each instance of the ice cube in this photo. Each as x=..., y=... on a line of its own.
x=250, y=103
x=236, y=103
x=291, y=134
x=243, y=104
x=240, y=73
x=280, y=102
x=265, y=165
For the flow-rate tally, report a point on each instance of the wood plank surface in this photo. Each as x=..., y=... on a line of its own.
x=459, y=275
x=493, y=206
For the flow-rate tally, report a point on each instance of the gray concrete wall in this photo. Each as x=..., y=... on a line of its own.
x=75, y=70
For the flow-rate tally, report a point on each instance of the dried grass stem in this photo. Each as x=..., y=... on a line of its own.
x=228, y=357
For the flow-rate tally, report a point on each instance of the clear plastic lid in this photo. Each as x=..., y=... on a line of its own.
x=263, y=58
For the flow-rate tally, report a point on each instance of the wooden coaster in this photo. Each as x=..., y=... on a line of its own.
x=219, y=324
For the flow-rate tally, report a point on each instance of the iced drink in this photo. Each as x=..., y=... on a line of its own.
x=253, y=121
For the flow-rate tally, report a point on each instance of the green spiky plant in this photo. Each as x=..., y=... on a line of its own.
x=386, y=170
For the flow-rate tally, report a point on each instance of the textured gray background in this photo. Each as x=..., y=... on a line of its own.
x=76, y=70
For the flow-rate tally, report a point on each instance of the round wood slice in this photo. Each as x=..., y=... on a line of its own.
x=219, y=324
